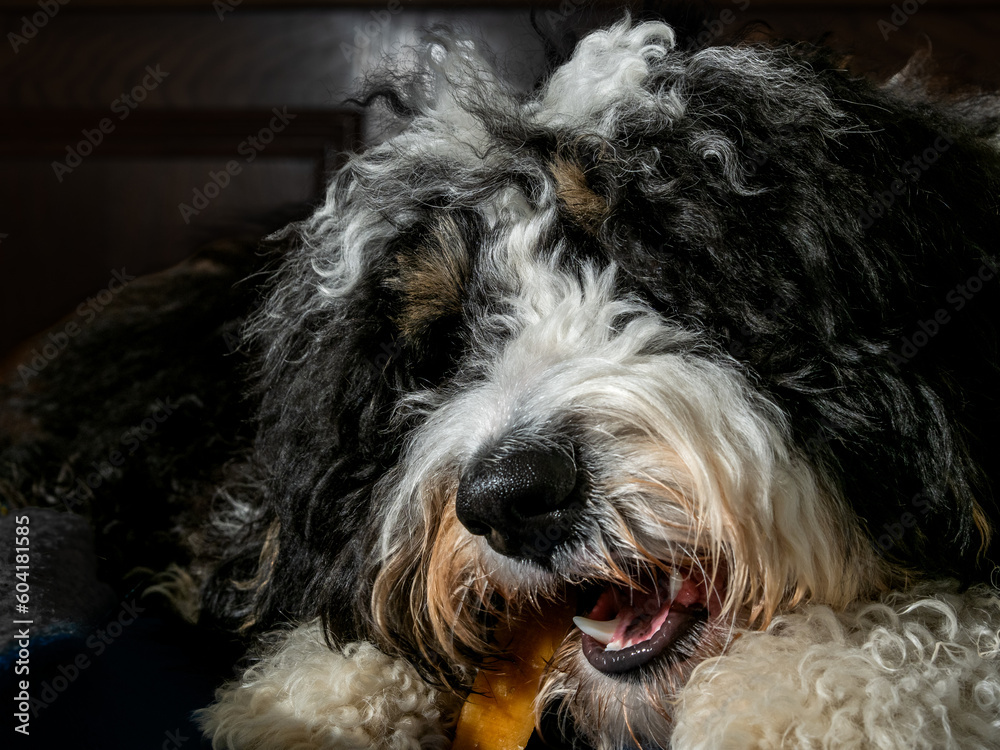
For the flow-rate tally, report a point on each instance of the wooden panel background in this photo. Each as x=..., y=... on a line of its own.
x=60, y=241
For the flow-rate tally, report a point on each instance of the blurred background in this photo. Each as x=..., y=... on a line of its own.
x=132, y=132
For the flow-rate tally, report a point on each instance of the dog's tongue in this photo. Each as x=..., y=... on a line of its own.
x=499, y=713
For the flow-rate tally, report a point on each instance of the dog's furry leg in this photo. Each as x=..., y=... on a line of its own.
x=916, y=671
x=304, y=694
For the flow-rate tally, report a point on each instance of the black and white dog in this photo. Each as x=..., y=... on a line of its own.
x=701, y=342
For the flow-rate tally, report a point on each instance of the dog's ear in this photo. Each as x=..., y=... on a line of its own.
x=337, y=346
x=325, y=360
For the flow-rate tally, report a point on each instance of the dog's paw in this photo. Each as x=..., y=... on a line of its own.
x=305, y=695
x=920, y=670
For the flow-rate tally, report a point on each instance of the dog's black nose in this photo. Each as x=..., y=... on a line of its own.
x=523, y=502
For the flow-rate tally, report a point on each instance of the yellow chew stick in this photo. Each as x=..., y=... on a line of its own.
x=499, y=713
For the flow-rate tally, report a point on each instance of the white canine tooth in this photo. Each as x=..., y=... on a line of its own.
x=676, y=583
x=600, y=631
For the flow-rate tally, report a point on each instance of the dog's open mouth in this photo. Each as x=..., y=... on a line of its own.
x=629, y=627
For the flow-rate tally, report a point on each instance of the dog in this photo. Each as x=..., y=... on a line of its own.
x=695, y=343
x=702, y=342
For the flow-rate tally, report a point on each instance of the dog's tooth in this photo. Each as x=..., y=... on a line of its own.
x=676, y=583
x=600, y=631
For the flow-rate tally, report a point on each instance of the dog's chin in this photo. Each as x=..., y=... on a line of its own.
x=634, y=646
x=620, y=681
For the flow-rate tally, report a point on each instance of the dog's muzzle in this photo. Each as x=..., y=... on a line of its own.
x=524, y=502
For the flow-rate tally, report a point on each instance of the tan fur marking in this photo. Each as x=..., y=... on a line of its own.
x=588, y=208
x=446, y=598
x=432, y=279
x=180, y=589
x=265, y=564
x=982, y=523
x=449, y=592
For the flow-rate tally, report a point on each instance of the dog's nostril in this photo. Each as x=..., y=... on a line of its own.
x=508, y=493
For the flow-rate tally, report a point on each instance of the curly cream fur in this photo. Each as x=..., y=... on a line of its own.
x=307, y=696
x=919, y=670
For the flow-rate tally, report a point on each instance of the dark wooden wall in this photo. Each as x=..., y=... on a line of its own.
x=63, y=235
